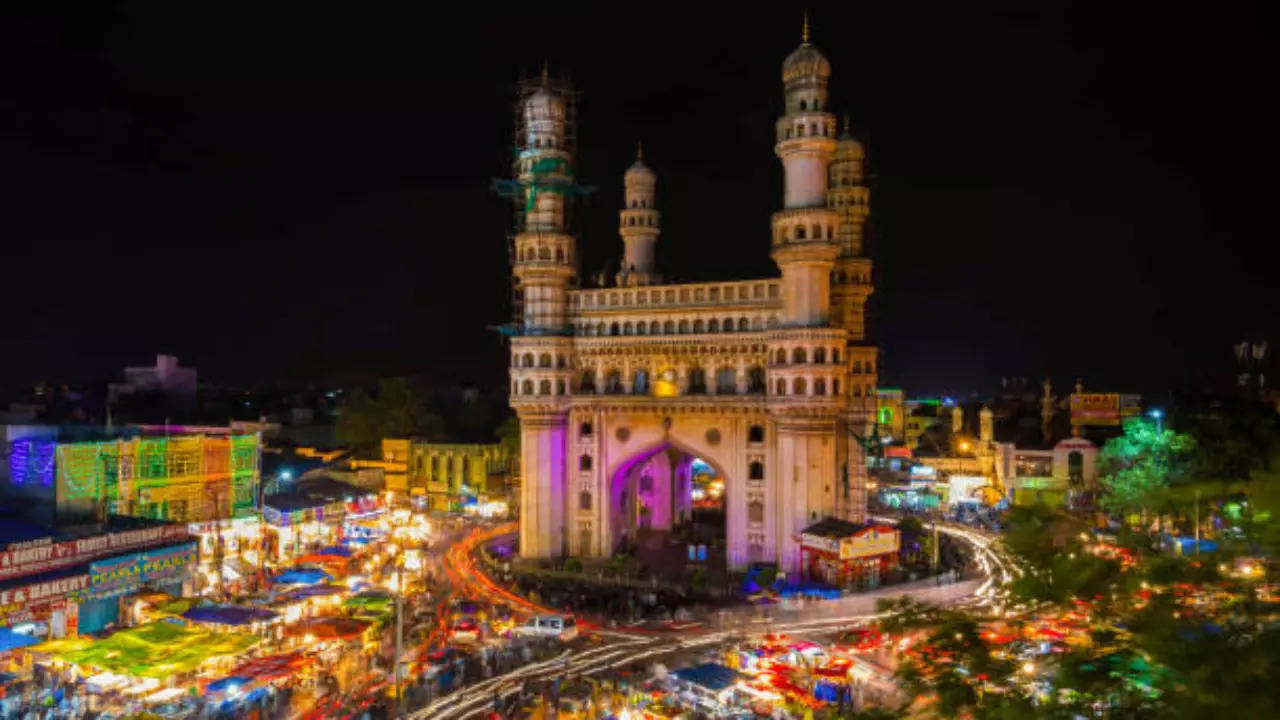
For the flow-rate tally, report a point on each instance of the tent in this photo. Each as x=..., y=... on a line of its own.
x=311, y=591
x=10, y=640
x=154, y=650
x=302, y=576
x=328, y=628
x=229, y=614
x=337, y=550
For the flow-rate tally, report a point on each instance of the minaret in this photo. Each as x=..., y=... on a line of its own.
x=638, y=224
x=541, y=347
x=804, y=241
x=807, y=390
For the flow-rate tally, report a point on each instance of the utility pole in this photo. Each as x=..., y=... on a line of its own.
x=1197, y=522
x=399, y=636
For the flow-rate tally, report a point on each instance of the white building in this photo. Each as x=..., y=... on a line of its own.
x=167, y=376
x=768, y=380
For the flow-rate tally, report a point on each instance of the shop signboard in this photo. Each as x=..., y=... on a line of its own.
x=124, y=574
x=876, y=540
x=37, y=556
x=39, y=600
x=1095, y=409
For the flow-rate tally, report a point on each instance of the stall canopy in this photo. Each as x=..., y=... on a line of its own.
x=272, y=667
x=374, y=601
x=10, y=640
x=337, y=550
x=328, y=628
x=155, y=650
x=302, y=576
x=229, y=614
x=712, y=676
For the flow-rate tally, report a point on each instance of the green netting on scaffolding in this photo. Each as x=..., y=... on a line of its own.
x=153, y=462
x=553, y=175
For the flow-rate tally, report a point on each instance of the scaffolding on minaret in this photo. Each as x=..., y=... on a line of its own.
x=549, y=175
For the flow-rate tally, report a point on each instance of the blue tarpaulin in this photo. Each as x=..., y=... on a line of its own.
x=334, y=550
x=228, y=614
x=302, y=576
x=227, y=683
x=712, y=676
x=10, y=640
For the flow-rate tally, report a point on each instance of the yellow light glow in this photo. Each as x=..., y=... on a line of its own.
x=1028, y=667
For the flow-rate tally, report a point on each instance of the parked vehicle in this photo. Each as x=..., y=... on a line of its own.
x=563, y=627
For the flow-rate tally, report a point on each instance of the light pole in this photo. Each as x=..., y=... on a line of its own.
x=1158, y=415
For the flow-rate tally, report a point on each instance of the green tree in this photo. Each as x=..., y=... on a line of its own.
x=396, y=411
x=1136, y=467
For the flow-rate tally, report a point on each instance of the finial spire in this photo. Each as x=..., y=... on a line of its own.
x=846, y=123
x=544, y=73
x=804, y=32
x=639, y=151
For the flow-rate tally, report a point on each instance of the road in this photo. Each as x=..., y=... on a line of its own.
x=619, y=648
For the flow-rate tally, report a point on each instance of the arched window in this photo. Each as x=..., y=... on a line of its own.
x=817, y=232
x=813, y=128
x=641, y=328
x=830, y=232
x=743, y=325
x=755, y=434
x=544, y=387
x=560, y=254
x=654, y=328
x=800, y=131
x=559, y=387
x=584, y=500
x=755, y=471
x=835, y=356
x=857, y=391
x=515, y=387
x=561, y=362
x=819, y=387
x=713, y=325
x=584, y=430
x=787, y=133
x=798, y=387
x=698, y=327
x=600, y=329
x=669, y=327
x=781, y=358
x=727, y=325
x=528, y=359
x=614, y=329
x=684, y=326
x=781, y=389
x=819, y=355
x=869, y=370
x=526, y=388
x=613, y=382
x=755, y=380
x=628, y=328
x=631, y=221
x=544, y=360
x=799, y=356
x=640, y=384
x=697, y=381
x=804, y=105
x=584, y=462
x=726, y=381
x=544, y=253
x=466, y=468
x=799, y=232
x=587, y=384
x=1075, y=467
x=835, y=386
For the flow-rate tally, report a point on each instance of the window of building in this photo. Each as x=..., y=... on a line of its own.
x=544, y=387
x=781, y=388
x=755, y=511
x=798, y=387
x=819, y=387
x=755, y=434
x=584, y=462
x=799, y=356
x=584, y=500
x=584, y=430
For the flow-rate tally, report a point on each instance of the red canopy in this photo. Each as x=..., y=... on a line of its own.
x=328, y=628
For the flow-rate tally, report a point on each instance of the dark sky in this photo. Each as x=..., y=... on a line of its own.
x=300, y=192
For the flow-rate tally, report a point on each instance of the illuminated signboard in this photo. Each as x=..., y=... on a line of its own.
x=923, y=471
x=1095, y=409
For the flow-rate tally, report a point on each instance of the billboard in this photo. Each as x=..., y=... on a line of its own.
x=1095, y=408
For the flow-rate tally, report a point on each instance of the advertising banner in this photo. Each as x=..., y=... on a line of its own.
x=127, y=573
x=1095, y=409
x=872, y=541
x=37, y=556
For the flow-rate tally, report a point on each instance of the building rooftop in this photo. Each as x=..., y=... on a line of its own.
x=837, y=528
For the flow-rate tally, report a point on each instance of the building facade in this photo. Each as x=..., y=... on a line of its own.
x=447, y=475
x=771, y=381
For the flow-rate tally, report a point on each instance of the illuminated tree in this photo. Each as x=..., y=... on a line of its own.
x=1136, y=467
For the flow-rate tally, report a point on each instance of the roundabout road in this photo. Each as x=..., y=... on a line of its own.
x=618, y=648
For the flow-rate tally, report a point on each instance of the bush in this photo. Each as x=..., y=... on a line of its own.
x=573, y=565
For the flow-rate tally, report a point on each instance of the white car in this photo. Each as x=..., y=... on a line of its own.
x=562, y=627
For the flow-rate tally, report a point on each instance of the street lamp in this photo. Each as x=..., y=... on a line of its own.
x=1158, y=415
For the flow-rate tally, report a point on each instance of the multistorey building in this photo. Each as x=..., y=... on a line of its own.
x=770, y=381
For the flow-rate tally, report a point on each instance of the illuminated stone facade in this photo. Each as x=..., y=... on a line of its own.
x=770, y=381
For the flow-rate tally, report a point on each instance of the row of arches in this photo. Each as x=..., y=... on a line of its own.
x=695, y=381
x=816, y=129
x=682, y=295
x=696, y=326
x=542, y=252
x=800, y=356
x=543, y=388
x=647, y=220
x=802, y=386
x=856, y=278
x=639, y=203
x=544, y=360
x=813, y=232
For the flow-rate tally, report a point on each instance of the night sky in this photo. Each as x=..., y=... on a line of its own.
x=300, y=193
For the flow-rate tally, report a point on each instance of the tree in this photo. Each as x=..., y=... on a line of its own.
x=396, y=411
x=1136, y=467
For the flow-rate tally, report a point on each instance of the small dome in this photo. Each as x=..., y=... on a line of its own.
x=639, y=172
x=849, y=147
x=805, y=61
